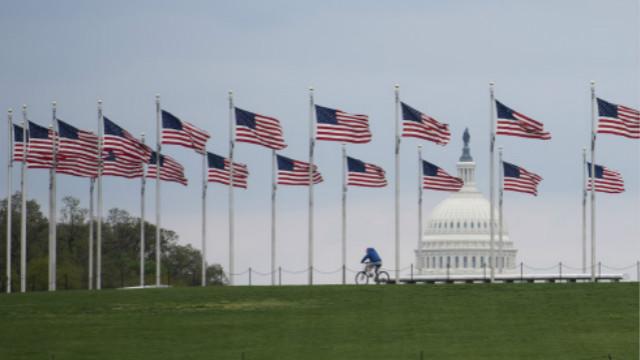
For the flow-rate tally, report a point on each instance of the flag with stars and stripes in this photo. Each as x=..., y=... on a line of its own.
x=259, y=129
x=418, y=125
x=520, y=180
x=19, y=143
x=513, y=123
x=337, y=125
x=295, y=172
x=75, y=143
x=40, y=146
x=178, y=132
x=435, y=178
x=607, y=180
x=220, y=171
x=170, y=169
x=618, y=120
x=364, y=174
x=113, y=165
x=123, y=144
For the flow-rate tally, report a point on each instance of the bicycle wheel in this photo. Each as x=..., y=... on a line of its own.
x=383, y=277
x=362, y=278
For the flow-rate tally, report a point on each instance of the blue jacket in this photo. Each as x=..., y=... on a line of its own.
x=372, y=256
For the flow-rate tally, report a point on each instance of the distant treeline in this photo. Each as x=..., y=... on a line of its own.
x=180, y=265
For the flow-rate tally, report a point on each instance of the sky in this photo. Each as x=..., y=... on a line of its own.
x=541, y=55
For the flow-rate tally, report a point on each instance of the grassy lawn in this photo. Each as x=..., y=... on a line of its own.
x=506, y=321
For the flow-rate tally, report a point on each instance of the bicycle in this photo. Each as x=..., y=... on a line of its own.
x=381, y=277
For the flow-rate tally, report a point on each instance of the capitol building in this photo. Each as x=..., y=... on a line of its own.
x=456, y=239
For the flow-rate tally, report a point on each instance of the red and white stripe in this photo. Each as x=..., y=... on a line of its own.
x=351, y=128
x=127, y=147
x=524, y=127
x=77, y=167
x=442, y=182
x=627, y=123
x=86, y=146
x=18, y=151
x=170, y=170
x=611, y=182
x=40, y=151
x=526, y=183
x=374, y=176
x=429, y=129
x=125, y=169
x=268, y=132
x=190, y=136
x=223, y=176
x=299, y=175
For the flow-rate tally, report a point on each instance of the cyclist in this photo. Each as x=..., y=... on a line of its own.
x=372, y=260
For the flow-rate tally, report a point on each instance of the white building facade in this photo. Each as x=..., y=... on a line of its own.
x=456, y=239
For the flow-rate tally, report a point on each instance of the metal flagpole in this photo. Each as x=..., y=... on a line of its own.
x=99, y=217
x=584, y=210
x=52, y=203
x=158, y=205
x=500, y=199
x=274, y=188
x=344, y=214
x=492, y=140
x=143, y=183
x=593, y=174
x=203, y=280
x=232, y=144
x=397, y=182
x=92, y=182
x=311, y=148
x=23, y=200
x=9, y=190
x=420, y=191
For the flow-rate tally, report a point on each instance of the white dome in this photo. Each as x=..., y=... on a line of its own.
x=463, y=212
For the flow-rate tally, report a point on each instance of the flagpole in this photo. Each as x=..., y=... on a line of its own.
x=143, y=185
x=420, y=191
x=593, y=174
x=52, y=203
x=203, y=279
x=99, y=217
x=584, y=210
x=397, y=182
x=344, y=214
x=23, y=200
x=92, y=182
x=158, y=205
x=311, y=148
x=500, y=199
x=492, y=139
x=9, y=190
x=274, y=188
x=232, y=144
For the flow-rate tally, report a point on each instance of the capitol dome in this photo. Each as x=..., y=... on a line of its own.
x=457, y=235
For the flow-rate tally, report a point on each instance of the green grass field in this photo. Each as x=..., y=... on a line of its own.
x=516, y=321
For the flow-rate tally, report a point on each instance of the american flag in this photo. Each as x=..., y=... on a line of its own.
x=82, y=167
x=259, y=129
x=364, y=174
x=18, y=143
x=294, y=172
x=607, y=180
x=113, y=165
x=435, y=178
x=520, y=180
x=40, y=146
x=513, y=123
x=418, y=125
x=75, y=143
x=170, y=169
x=178, y=132
x=337, y=125
x=618, y=120
x=220, y=171
x=123, y=144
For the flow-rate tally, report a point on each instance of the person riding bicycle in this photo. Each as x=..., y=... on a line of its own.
x=372, y=260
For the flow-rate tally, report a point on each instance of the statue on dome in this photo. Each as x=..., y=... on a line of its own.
x=466, y=152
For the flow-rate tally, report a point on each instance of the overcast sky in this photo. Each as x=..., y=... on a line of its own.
x=541, y=54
